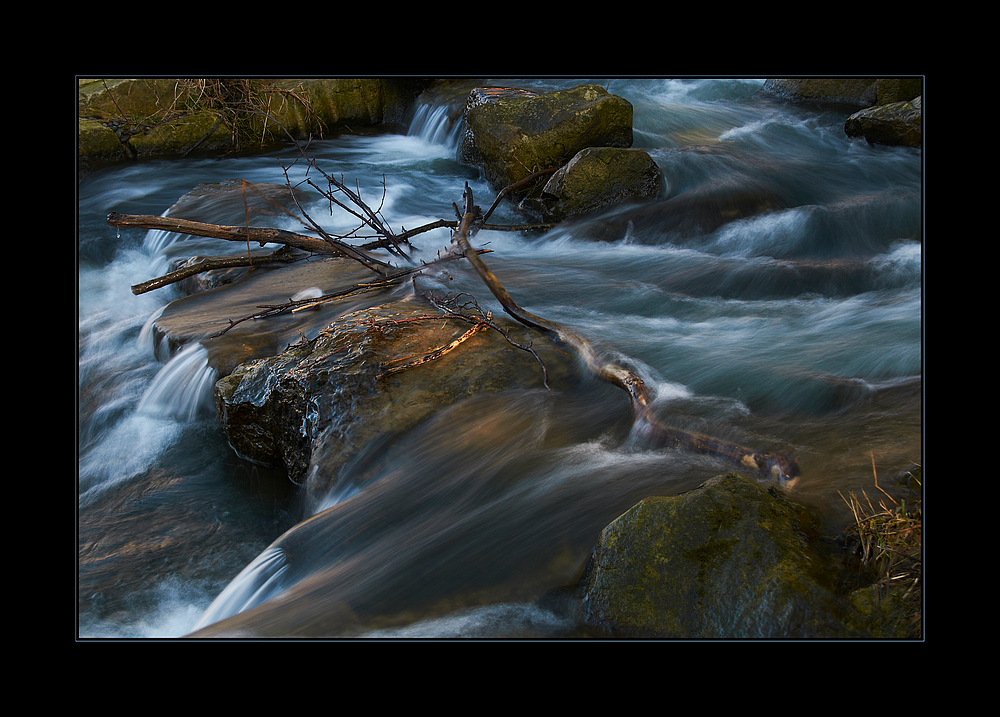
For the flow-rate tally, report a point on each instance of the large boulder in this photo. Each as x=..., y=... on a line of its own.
x=319, y=403
x=511, y=134
x=597, y=178
x=730, y=559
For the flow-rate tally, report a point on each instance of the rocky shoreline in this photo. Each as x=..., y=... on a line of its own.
x=746, y=561
x=120, y=120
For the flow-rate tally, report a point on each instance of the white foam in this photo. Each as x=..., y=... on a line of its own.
x=182, y=387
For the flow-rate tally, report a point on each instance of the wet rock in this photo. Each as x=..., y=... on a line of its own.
x=321, y=402
x=202, y=316
x=727, y=560
x=238, y=202
x=216, y=297
x=513, y=133
x=597, y=178
x=861, y=91
x=896, y=124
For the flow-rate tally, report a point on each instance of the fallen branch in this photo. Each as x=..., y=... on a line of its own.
x=511, y=187
x=651, y=430
x=487, y=318
x=280, y=256
x=261, y=235
x=647, y=427
x=435, y=354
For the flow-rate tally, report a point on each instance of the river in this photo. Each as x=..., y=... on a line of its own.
x=797, y=328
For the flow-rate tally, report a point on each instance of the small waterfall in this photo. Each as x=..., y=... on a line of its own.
x=433, y=124
x=157, y=240
x=257, y=582
x=182, y=388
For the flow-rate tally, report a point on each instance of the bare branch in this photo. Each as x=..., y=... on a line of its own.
x=435, y=354
x=280, y=256
x=388, y=282
x=775, y=465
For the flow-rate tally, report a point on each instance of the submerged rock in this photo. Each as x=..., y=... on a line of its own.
x=695, y=212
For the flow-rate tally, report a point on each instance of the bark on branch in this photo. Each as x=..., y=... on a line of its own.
x=647, y=426
x=261, y=235
x=280, y=256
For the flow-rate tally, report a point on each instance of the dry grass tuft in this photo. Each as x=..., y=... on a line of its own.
x=888, y=536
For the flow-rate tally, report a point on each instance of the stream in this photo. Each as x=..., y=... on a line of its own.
x=797, y=328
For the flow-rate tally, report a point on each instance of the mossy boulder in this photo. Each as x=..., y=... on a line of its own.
x=597, y=178
x=319, y=105
x=511, y=134
x=730, y=559
x=122, y=119
x=97, y=140
x=171, y=117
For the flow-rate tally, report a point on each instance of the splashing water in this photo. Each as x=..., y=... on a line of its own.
x=182, y=389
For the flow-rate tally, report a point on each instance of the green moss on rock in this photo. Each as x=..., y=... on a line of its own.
x=515, y=136
x=730, y=559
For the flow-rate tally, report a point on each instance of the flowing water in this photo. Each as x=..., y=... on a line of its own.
x=796, y=326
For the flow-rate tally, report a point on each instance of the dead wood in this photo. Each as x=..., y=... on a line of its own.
x=447, y=305
x=280, y=256
x=262, y=235
x=647, y=426
x=431, y=355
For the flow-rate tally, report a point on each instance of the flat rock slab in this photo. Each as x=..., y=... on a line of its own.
x=200, y=316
